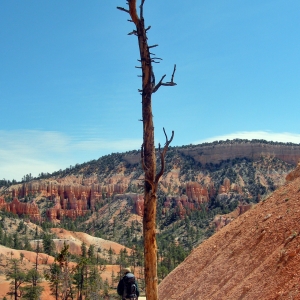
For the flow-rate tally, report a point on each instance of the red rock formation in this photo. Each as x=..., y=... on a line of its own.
x=75, y=199
x=222, y=190
x=138, y=202
x=139, y=205
x=211, y=190
x=226, y=184
x=196, y=192
x=77, y=208
x=236, y=188
x=222, y=220
x=21, y=209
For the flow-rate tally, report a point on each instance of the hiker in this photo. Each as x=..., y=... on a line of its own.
x=128, y=287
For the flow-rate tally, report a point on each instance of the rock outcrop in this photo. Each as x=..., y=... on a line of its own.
x=294, y=174
x=222, y=220
x=196, y=192
x=215, y=153
x=72, y=197
x=137, y=202
x=30, y=210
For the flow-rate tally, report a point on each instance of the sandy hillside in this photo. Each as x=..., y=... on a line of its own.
x=27, y=263
x=77, y=238
x=29, y=256
x=257, y=256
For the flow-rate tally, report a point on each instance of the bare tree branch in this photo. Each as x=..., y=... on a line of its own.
x=153, y=46
x=123, y=9
x=170, y=83
x=159, y=84
x=133, y=32
x=162, y=156
x=142, y=9
x=172, y=78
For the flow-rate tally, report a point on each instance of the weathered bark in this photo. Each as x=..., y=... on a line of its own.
x=148, y=156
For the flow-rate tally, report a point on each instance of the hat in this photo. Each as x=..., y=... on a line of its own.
x=126, y=270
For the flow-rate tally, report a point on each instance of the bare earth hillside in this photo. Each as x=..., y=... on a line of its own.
x=257, y=256
x=75, y=240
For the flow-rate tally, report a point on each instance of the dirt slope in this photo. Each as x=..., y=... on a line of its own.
x=75, y=239
x=257, y=256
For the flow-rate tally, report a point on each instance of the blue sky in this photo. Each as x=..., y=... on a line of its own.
x=68, y=86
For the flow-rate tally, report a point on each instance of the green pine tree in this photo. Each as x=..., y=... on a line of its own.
x=17, y=277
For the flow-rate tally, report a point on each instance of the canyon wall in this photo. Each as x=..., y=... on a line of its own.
x=76, y=194
x=206, y=154
x=22, y=209
x=70, y=198
x=215, y=153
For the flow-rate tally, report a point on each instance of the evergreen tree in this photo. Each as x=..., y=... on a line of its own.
x=53, y=275
x=1, y=235
x=48, y=244
x=65, y=278
x=110, y=255
x=83, y=250
x=60, y=276
x=16, y=241
x=17, y=277
x=91, y=253
x=27, y=245
x=32, y=291
x=94, y=284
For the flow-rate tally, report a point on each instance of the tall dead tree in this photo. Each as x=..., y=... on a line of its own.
x=148, y=157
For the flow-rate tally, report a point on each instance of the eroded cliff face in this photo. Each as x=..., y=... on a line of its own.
x=214, y=153
x=206, y=154
x=74, y=197
x=71, y=196
x=230, y=174
x=22, y=209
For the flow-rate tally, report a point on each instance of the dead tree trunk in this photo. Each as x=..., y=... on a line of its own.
x=148, y=156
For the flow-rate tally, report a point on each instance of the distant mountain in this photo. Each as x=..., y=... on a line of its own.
x=104, y=197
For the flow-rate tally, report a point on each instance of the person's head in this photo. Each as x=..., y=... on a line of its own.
x=126, y=270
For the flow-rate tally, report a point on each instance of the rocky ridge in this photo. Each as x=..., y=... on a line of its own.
x=208, y=179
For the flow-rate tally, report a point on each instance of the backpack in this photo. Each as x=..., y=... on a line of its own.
x=129, y=286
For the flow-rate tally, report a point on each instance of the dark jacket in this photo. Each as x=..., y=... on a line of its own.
x=121, y=285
